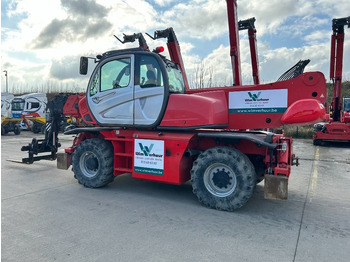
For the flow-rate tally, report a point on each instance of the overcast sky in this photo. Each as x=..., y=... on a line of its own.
x=41, y=40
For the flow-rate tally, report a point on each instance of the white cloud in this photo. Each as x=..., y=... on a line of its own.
x=61, y=34
x=203, y=20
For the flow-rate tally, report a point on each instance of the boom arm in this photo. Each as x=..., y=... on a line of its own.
x=132, y=38
x=249, y=25
x=336, y=63
x=234, y=41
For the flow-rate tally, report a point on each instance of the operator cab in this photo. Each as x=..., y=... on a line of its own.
x=131, y=87
x=346, y=104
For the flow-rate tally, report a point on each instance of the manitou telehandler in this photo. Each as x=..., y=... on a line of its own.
x=338, y=128
x=145, y=120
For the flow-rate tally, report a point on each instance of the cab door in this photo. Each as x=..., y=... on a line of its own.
x=150, y=93
x=110, y=95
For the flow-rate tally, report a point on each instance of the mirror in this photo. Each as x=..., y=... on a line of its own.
x=83, y=65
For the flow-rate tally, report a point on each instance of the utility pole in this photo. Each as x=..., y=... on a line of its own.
x=7, y=90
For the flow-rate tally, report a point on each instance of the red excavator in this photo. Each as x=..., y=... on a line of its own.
x=338, y=128
x=144, y=119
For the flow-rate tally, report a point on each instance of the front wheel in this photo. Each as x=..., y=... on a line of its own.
x=223, y=178
x=93, y=163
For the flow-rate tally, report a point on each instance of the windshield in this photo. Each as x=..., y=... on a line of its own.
x=176, y=81
x=18, y=104
x=346, y=104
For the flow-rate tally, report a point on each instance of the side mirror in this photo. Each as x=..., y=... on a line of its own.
x=84, y=62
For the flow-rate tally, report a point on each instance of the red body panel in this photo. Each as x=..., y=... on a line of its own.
x=196, y=110
x=85, y=112
x=346, y=117
x=311, y=85
x=176, y=164
x=71, y=106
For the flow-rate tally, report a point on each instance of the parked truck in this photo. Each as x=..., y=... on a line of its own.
x=8, y=123
x=31, y=108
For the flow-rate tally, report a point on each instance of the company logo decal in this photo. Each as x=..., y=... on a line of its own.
x=145, y=149
x=258, y=101
x=254, y=96
x=149, y=157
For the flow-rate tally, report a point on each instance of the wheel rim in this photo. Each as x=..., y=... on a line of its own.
x=89, y=164
x=220, y=180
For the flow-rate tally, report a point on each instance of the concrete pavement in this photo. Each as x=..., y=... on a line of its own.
x=48, y=216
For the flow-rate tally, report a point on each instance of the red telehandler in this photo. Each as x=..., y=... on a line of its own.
x=145, y=120
x=338, y=129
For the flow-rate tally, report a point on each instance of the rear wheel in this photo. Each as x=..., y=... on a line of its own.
x=223, y=178
x=317, y=142
x=93, y=163
x=17, y=130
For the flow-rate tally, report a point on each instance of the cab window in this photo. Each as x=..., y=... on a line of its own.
x=115, y=74
x=95, y=84
x=33, y=105
x=176, y=81
x=18, y=104
x=150, y=73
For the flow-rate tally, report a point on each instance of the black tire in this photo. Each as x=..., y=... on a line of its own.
x=36, y=128
x=16, y=130
x=317, y=142
x=3, y=131
x=259, y=167
x=93, y=163
x=223, y=178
